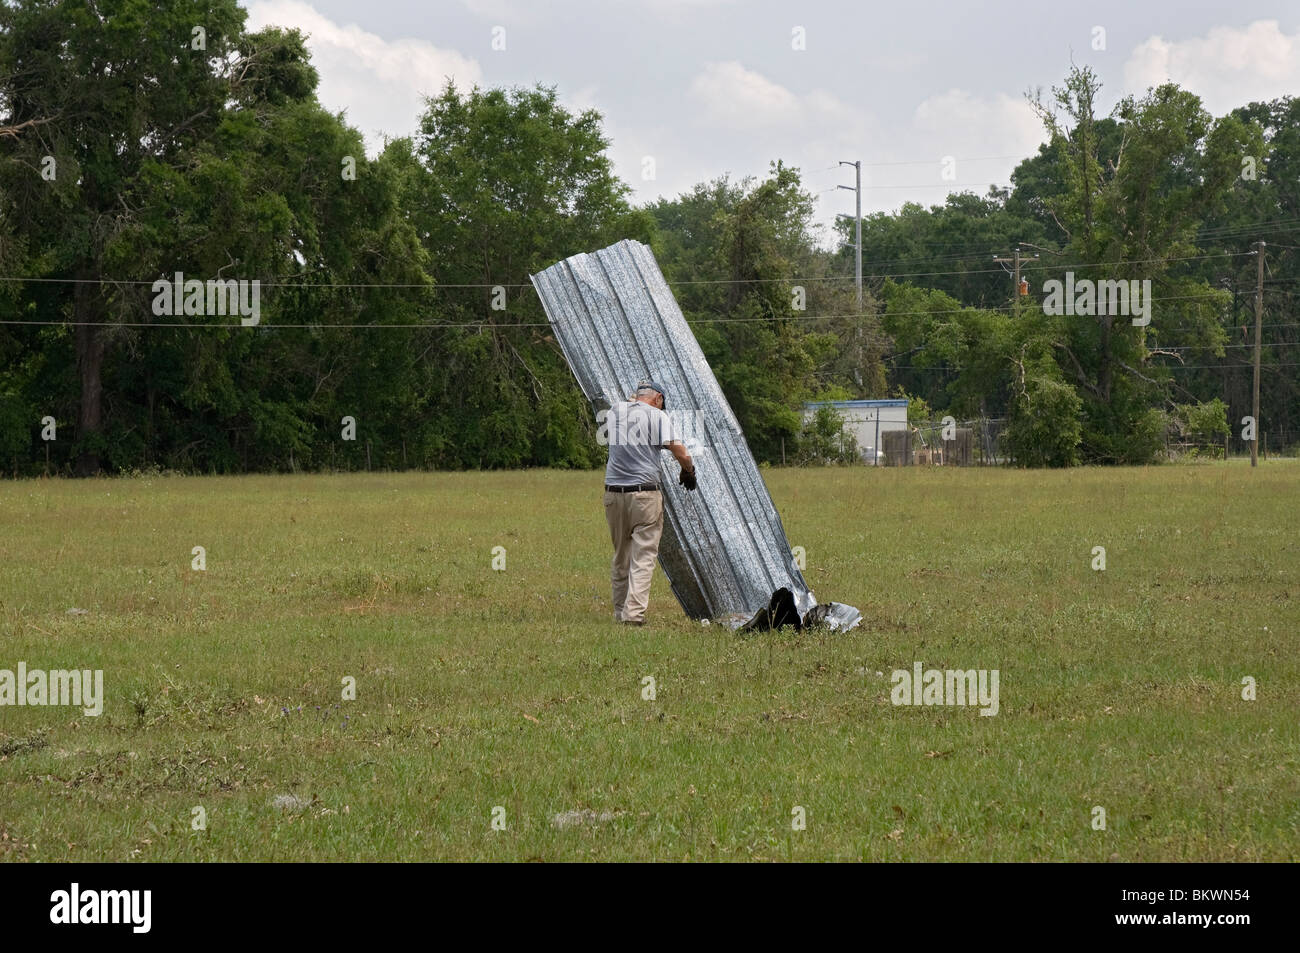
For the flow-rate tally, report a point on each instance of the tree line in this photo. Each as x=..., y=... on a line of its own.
x=394, y=290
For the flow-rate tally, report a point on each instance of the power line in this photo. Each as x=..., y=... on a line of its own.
x=876, y=165
x=1249, y=227
x=1056, y=266
x=541, y=324
x=949, y=185
x=1151, y=367
x=271, y=283
x=939, y=162
x=277, y=283
x=1206, y=347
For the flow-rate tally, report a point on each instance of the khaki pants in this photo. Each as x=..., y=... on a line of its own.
x=636, y=521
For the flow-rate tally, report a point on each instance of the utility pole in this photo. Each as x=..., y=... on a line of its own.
x=1015, y=260
x=1259, y=327
x=857, y=188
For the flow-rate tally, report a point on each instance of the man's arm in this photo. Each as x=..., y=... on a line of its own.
x=678, y=450
x=687, y=477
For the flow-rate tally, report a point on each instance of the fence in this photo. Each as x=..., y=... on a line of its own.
x=1272, y=443
x=959, y=444
x=978, y=443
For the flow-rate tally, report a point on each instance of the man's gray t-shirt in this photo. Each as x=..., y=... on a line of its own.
x=636, y=433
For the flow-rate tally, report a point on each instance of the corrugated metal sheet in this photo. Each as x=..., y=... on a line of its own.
x=723, y=548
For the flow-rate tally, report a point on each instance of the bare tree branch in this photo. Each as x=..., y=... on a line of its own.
x=1078, y=370
x=12, y=131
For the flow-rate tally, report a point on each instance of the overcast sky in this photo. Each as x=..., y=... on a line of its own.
x=707, y=87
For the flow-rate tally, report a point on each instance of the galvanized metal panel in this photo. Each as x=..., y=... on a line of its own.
x=723, y=548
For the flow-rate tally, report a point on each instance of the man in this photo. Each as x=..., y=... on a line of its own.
x=634, y=508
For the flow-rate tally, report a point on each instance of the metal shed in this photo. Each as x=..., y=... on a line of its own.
x=867, y=421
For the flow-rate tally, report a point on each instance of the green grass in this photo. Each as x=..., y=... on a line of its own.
x=479, y=689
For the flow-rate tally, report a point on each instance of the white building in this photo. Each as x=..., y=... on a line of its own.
x=866, y=420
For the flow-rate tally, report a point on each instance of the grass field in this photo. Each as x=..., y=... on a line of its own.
x=478, y=689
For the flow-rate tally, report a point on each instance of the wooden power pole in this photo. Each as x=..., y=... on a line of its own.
x=1015, y=260
x=857, y=189
x=1259, y=327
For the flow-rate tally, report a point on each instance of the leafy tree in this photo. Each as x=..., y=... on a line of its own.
x=1043, y=429
x=1208, y=421
x=1131, y=215
x=115, y=91
x=823, y=439
x=130, y=149
x=496, y=391
x=1264, y=203
x=208, y=156
x=733, y=251
x=954, y=358
x=947, y=247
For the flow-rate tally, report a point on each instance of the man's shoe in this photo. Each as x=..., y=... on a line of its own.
x=636, y=622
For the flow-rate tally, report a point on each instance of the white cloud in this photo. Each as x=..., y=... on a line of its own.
x=737, y=98
x=986, y=137
x=1228, y=67
x=741, y=98
x=583, y=98
x=379, y=83
x=960, y=123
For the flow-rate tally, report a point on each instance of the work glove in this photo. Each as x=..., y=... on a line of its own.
x=687, y=478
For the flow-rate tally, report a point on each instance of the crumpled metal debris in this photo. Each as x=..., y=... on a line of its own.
x=723, y=549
